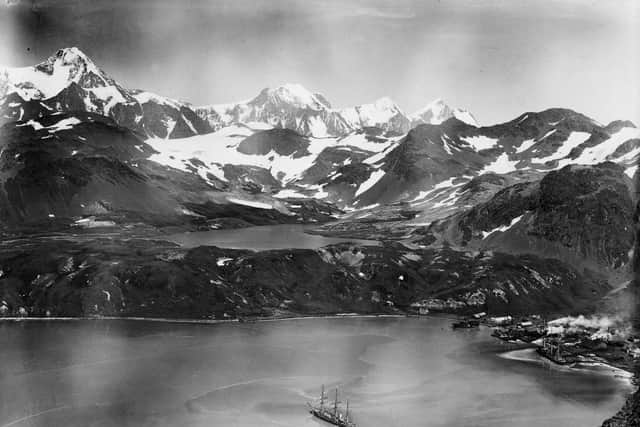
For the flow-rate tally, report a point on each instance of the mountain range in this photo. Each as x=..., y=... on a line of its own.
x=69, y=80
x=472, y=216
x=292, y=106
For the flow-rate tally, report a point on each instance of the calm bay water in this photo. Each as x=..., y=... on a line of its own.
x=265, y=237
x=396, y=372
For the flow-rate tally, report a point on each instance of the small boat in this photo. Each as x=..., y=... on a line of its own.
x=332, y=414
x=465, y=324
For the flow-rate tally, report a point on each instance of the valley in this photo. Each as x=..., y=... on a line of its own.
x=534, y=214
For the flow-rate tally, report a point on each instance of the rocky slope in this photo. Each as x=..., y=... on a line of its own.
x=100, y=276
x=580, y=214
x=432, y=167
x=69, y=81
x=628, y=416
x=533, y=143
x=61, y=169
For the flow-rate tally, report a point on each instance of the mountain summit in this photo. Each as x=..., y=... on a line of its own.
x=289, y=106
x=50, y=77
x=438, y=111
x=70, y=81
x=294, y=107
x=293, y=94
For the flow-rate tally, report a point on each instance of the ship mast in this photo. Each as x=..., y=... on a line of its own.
x=335, y=404
x=322, y=398
x=559, y=356
x=347, y=412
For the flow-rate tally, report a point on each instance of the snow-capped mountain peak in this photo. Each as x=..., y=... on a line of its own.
x=385, y=103
x=438, y=111
x=465, y=116
x=434, y=113
x=383, y=113
x=72, y=56
x=292, y=95
x=294, y=107
x=70, y=81
x=50, y=77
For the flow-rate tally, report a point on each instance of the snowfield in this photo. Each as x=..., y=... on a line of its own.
x=220, y=148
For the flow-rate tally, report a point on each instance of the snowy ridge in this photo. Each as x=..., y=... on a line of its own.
x=297, y=95
x=69, y=81
x=297, y=108
x=438, y=111
x=50, y=77
x=380, y=114
x=143, y=97
x=290, y=105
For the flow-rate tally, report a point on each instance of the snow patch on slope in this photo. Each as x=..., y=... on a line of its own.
x=64, y=124
x=574, y=140
x=631, y=171
x=501, y=165
x=600, y=152
x=375, y=176
x=526, y=144
x=250, y=203
x=502, y=228
x=480, y=142
x=439, y=186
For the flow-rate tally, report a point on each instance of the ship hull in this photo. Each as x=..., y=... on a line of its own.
x=551, y=357
x=330, y=418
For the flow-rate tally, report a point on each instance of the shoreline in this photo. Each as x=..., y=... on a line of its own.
x=214, y=321
x=528, y=355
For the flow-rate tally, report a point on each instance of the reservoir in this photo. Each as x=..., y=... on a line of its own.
x=394, y=371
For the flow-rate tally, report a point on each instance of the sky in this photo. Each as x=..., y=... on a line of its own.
x=496, y=58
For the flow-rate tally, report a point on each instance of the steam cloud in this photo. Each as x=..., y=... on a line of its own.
x=603, y=327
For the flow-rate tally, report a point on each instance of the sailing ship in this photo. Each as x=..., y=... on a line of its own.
x=553, y=351
x=332, y=414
